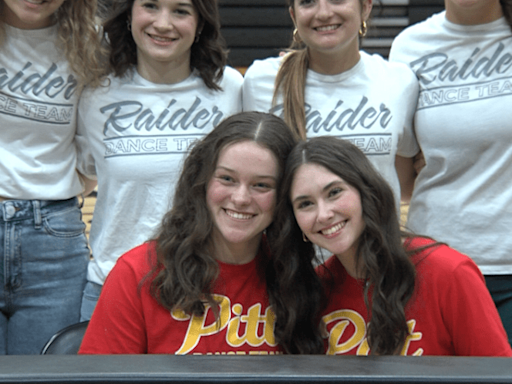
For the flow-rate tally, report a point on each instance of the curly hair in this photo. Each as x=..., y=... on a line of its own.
x=208, y=54
x=186, y=269
x=380, y=254
x=290, y=82
x=80, y=40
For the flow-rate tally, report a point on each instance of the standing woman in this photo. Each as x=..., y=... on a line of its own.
x=208, y=283
x=169, y=86
x=463, y=196
x=326, y=86
x=48, y=51
x=389, y=293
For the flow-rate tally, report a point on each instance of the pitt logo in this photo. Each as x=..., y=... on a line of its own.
x=343, y=318
x=198, y=328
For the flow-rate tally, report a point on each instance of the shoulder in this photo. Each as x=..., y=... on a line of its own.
x=231, y=77
x=440, y=259
x=137, y=261
x=261, y=69
x=382, y=70
x=419, y=33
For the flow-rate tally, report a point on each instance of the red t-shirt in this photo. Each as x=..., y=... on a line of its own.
x=127, y=320
x=450, y=313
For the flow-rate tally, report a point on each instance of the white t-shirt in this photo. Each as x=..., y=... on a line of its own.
x=134, y=136
x=463, y=196
x=371, y=104
x=38, y=103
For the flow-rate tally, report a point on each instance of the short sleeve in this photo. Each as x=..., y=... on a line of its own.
x=117, y=325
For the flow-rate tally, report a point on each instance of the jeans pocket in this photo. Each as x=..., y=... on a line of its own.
x=66, y=223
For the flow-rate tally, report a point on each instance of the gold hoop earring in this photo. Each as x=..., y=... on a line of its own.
x=304, y=238
x=363, y=30
x=296, y=36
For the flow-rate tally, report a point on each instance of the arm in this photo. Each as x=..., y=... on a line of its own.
x=87, y=184
x=406, y=175
x=117, y=325
x=471, y=315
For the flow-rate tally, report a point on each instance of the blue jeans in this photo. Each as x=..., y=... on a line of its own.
x=89, y=300
x=43, y=265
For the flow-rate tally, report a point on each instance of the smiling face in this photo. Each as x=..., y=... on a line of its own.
x=328, y=210
x=330, y=26
x=30, y=14
x=164, y=31
x=241, y=197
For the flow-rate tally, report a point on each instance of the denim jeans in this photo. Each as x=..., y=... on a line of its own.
x=89, y=300
x=43, y=264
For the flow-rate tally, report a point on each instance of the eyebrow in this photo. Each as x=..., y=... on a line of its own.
x=232, y=170
x=302, y=197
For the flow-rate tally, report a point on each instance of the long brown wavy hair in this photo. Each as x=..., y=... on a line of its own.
x=79, y=39
x=208, y=54
x=380, y=253
x=291, y=84
x=186, y=268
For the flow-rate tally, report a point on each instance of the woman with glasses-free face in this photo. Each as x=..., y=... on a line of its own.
x=330, y=30
x=164, y=31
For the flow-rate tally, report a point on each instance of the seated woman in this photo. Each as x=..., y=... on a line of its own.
x=206, y=284
x=389, y=292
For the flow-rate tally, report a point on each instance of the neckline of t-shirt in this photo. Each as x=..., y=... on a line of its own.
x=41, y=33
x=340, y=76
x=137, y=78
x=474, y=29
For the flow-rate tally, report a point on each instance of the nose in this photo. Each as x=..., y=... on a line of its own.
x=325, y=212
x=163, y=20
x=241, y=195
x=324, y=10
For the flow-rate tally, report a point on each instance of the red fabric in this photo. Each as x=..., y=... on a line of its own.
x=126, y=321
x=450, y=313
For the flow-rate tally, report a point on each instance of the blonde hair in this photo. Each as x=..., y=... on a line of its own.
x=79, y=39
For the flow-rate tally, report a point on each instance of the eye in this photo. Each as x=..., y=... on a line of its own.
x=183, y=11
x=263, y=186
x=335, y=191
x=305, y=3
x=303, y=204
x=149, y=5
x=225, y=179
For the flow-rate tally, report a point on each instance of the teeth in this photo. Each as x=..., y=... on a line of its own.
x=162, y=39
x=328, y=28
x=37, y=2
x=333, y=229
x=237, y=215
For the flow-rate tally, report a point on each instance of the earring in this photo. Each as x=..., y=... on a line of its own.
x=129, y=24
x=296, y=36
x=197, y=37
x=304, y=238
x=363, y=30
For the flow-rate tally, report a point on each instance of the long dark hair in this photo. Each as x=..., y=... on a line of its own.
x=380, y=254
x=208, y=54
x=186, y=269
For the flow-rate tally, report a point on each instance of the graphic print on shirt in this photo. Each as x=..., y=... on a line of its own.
x=347, y=332
x=444, y=80
x=342, y=121
x=254, y=328
x=37, y=96
x=132, y=128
